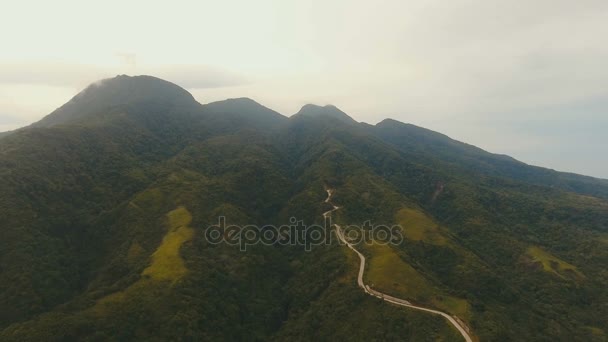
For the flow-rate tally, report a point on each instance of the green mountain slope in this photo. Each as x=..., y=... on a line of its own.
x=473, y=161
x=105, y=204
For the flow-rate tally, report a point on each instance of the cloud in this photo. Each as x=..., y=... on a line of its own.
x=128, y=58
x=49, y=73
x=10, y=120
x=199, y=76
x=78, y=76
x=12, y=117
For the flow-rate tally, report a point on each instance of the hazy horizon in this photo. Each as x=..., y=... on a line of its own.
x=518, y=78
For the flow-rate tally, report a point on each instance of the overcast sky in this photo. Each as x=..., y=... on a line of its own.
x=525, y=78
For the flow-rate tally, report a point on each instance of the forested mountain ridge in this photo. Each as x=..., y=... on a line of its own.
x=104, y=204
x=477, y=161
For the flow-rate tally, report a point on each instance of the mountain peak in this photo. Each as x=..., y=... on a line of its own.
x=331, y=111
x=244, y=108
x=135, y=88
x=117, y=91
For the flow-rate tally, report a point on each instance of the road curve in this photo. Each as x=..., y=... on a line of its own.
x=397, y=301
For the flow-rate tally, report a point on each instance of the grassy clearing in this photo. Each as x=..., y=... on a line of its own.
x=167, y=263
x=387, y=272
x=552, y=264
x=457, y=306
x=417, y=226
x=596, y=331
x=179, y=217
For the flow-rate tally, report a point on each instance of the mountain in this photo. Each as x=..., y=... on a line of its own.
x=106, y=201
x=247, y=109
x=119, y=91
x=476, y=161
x=329, y=111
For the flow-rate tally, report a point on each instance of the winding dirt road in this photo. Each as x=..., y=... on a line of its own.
x=456, y=322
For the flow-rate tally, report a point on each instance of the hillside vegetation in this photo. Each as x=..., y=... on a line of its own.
x=105, y=203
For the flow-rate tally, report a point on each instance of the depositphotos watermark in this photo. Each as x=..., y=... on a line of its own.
x=296, y=233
